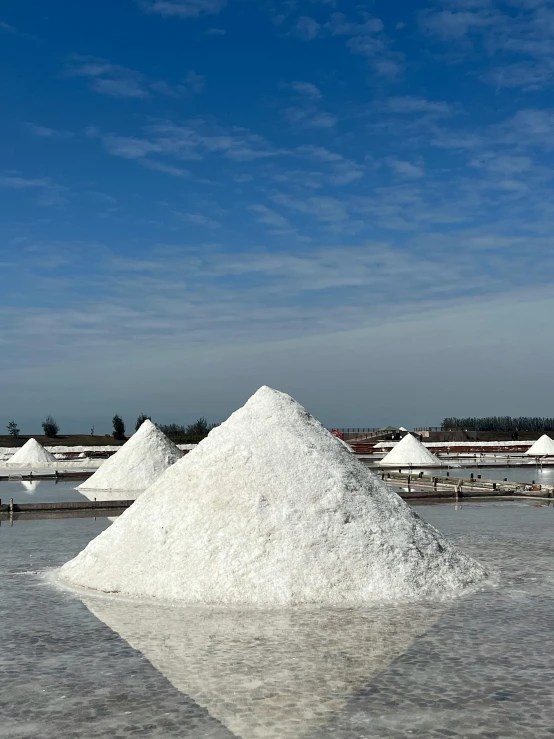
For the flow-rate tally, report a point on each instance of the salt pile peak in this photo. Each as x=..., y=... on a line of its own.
x=543, y=447
x=410, y=451
x=32, y=453
x=270, y=511
x=138, y=463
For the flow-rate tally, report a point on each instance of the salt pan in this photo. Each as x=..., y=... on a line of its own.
x=410, y=451
x=31, y=453
x=137, y=464
x=270, y=511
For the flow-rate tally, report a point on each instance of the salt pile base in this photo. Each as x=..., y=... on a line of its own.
x=270, y=511
x=410, y=451
x=31, y=453
x=543, y=447
x=137, y=464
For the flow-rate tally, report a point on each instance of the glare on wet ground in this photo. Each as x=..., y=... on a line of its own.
x=94, y=667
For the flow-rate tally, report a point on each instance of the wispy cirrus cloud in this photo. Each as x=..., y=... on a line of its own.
x=517, y=48
x=405, y=168
x=306, y=28
x=366, y=37
x=49, y=192
x=410, y=104
x=307, y=89
x=278, y=223
x=192, y=141
x=46, y=132
x=118, y=81
x=306, y=113
x=182, y=8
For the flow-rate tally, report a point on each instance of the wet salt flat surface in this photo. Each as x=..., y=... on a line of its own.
x=87, y=666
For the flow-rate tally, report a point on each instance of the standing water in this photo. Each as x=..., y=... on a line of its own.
x=77, y=665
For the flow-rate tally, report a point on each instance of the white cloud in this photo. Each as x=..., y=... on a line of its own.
x=198, y=219
x=310, y=117
x=306, y=88
x=117, y=81
x=368, y=39
x=306, y=28
x=164, y=167
x=410, y=104
x=271, y=217
x=46, y=132
x=405, y=169
x=183, y=8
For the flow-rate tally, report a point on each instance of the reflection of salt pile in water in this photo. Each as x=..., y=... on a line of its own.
x=410, y=451
x=137, y=464
x=543, y=447
x=277, y=676
x=32, y=453
x=30, y=485
x=270, y=510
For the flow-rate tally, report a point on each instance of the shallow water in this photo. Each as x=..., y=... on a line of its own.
x=482, y=665
x=40, y=491
x=544, y=476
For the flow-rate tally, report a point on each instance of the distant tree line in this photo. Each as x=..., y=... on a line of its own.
x=181, y=434
x=499, y=423
x=187, y=434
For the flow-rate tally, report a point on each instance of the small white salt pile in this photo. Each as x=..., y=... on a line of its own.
x=32, y=453
x=410, y=452
x=543, y=447
x=137, y=464
x=270, y=511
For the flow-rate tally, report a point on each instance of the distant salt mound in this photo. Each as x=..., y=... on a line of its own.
x=270, y=511
x=543, y=447
x=137, y=464
x=32, y=453
x=410, y=451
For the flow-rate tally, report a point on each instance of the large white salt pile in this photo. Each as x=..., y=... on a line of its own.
x=410, y=452
x=270, y=511
x=137, y=464
x=32, y=453
x=543, y=447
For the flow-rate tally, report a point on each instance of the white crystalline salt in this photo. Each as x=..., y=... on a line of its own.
x=543, y=447
x=270, y=511
x=137, y=464
x=31, y=453
x=410, y=451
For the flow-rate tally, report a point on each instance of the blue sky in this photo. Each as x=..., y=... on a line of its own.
x=351, y=202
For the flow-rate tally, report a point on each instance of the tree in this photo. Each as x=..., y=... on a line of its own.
x=199, y=427
x=50, y=427
x=140, y=420
x=12, y=429
x=118, y=427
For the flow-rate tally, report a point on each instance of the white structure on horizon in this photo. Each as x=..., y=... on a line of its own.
x=543, y=447
x=410, y=452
